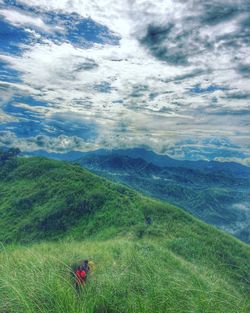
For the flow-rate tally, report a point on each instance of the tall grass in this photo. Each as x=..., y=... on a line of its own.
x=131, y=276
x=177, y=264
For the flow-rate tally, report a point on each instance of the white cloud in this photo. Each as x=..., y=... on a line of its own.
x=51, y=144
x=150, y=100
x=5, y=118
x=18, y=18
x=244, y=161
x=111, y=13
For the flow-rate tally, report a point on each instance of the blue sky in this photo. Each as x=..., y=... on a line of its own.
x=173, y=76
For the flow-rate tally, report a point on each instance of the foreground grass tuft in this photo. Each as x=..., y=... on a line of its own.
x=130, y=276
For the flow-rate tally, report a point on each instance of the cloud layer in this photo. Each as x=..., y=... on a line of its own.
x=170, y=75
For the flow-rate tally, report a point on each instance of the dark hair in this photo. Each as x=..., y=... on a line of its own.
x=85, y=265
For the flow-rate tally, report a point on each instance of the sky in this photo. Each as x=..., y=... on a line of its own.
x=172, y=76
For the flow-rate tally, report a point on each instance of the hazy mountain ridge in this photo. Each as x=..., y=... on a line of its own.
x=216, y=192
x=149, y=156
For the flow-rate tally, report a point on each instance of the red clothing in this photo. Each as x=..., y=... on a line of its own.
x=81, y=275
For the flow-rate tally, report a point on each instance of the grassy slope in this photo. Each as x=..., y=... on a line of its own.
x=177, y=264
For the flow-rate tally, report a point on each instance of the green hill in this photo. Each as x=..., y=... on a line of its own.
x=53, y=213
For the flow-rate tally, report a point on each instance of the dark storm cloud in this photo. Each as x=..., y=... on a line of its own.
x=155, y=41
x=238, y=95
x=194, y=73
x=244, y=69
x=178, y=79
x=178, y=40
x=215, y=12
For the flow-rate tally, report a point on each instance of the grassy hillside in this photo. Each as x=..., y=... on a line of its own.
x=176, y=264
x=143, y=276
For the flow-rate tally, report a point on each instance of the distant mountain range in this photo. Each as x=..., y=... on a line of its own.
x=147, y=155
x=216, y=192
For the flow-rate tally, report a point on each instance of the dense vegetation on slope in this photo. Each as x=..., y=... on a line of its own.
x=176, y=264
x=218, y=194
x=141, y=276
